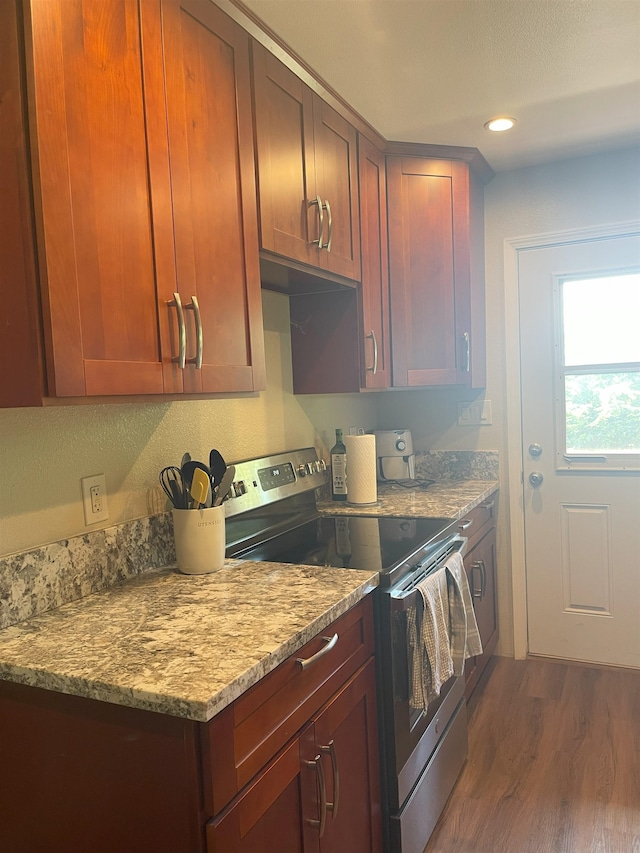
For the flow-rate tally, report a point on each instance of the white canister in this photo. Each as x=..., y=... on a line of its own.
x=200, y=539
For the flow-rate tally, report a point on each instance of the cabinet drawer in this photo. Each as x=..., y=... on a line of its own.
x=240, y=740
x=477, y=521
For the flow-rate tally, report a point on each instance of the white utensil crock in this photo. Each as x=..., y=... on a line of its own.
x=200, y=539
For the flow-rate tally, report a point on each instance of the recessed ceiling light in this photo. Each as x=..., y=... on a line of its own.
x=500, y=123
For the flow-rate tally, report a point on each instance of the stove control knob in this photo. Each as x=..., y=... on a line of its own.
x=309, y=467
x=239, y=488
x=401, y=444
x=302, y=471
x=322, y=465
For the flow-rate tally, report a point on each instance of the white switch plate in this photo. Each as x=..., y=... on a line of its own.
x=474, y=414
x=94, y=499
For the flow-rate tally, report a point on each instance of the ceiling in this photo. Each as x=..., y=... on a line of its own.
x=435, y=71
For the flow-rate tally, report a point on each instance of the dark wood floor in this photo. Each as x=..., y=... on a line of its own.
x=553, y=766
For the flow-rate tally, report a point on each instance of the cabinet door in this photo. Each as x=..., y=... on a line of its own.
x=480, y=564
x=346, y=739
x=376, y=367
x=210, y=133
x=289, y=216
x=428, y=206
x=91, y=185
x=267, y=817
x=337, y=185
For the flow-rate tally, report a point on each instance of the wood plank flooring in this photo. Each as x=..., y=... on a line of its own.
x=553, y=766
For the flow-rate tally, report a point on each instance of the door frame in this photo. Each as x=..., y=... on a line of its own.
x=513, y=403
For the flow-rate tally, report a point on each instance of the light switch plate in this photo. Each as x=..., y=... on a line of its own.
x=474, y=414
x=94, y=499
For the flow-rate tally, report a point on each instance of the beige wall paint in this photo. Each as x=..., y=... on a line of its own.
x=45, y=452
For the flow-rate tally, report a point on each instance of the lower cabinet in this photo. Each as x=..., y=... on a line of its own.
x=290, y=765
x=320, y=792
x=480, y=565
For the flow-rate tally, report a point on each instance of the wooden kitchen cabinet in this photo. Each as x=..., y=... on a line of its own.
x=93, y=777
x=436, y=274
x=340, y=340
x=320, y=792
x=307, y=172
x=480, y=565
x=135, y=194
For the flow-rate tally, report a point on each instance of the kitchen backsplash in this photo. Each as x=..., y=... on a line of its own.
x=457, y=465
x=47, y=577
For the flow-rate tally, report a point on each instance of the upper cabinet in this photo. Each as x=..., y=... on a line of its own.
x=307, y=172
x=374, y=294
x=145, y=213
x=436, y=272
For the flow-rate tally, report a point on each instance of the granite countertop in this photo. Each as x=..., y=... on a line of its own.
x=179, y=644
x=189, y=645
x=442, y=499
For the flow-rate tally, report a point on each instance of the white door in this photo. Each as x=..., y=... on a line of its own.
x=580, y=374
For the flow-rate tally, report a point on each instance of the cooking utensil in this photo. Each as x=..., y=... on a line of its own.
x=186, y=457
x=217, y=466
x=225, y=485
x=172, y=485
x=188, y=470
x=199, y=488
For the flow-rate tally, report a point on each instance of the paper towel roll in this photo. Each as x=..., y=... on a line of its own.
x=361, y=469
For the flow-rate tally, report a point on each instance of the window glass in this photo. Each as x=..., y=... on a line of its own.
x=601, y=318
x=600, y=365
x=603, y=413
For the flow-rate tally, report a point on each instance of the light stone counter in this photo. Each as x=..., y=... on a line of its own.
x=177, y=644
x=443, y=499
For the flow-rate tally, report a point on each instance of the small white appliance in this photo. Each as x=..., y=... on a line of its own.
x=395, y=457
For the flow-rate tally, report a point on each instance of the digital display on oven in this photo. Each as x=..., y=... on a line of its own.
x=278, y=475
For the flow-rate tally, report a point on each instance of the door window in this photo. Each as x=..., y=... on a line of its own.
x=598, y=371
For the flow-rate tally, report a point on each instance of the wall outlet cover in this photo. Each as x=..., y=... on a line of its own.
x=94, y=499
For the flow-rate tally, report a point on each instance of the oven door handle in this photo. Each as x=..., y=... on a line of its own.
x=403, y=599
x=330, y=643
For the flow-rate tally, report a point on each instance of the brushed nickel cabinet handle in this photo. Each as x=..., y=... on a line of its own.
x=475, y=592
x=317, y=200
x=182, y=332
x=372, y=335
x=195, y=307
x=488, y=504
x=331, y=752
x=467, y=352
x=330, y=643
x=316, y=765
x=330, y=226
x=466, y=522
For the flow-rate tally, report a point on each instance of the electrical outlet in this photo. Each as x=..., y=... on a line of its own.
x=94, y=499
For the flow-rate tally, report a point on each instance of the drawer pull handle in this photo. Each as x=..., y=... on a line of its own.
x=330, y=750
x=330, y=643
x=467, y=522
x=327, y=207
x=317, y=200
x=480, y=566
x=195, y=307
x=488, y=505
x=373, y=369
x=316, y=765
x=176, y=303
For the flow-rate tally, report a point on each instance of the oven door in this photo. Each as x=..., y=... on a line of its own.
x=410, y=734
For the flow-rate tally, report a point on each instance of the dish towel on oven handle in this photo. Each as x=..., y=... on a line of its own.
x=428, y=644
x=463, y=628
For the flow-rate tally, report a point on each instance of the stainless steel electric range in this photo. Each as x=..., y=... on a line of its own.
x=272, y=515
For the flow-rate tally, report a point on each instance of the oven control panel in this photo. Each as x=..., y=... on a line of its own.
x=267, y=479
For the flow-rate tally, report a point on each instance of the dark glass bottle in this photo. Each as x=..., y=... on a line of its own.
x=338, y=456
